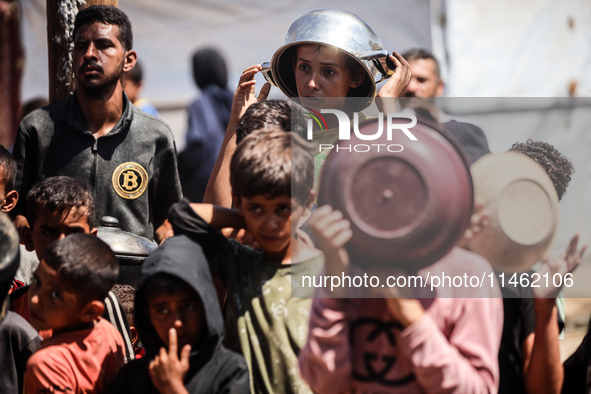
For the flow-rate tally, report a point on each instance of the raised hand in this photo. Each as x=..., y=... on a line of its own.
x=562, y=265
x=398, y=82
x=167, y=371
x=331, y=232
x=245, y=96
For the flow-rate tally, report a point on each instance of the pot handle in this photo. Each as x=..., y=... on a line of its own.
x=381, y=60
x=266, y=71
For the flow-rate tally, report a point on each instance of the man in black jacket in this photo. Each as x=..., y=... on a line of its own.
x=426, y=83
x=126, y=157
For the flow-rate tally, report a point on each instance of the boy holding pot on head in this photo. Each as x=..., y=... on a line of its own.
x=320, y=62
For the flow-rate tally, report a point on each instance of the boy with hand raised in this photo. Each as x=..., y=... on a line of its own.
x=180, y=324
x=271, y=177
x=319, y=72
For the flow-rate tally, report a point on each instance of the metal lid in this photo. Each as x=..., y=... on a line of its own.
x=125, y=245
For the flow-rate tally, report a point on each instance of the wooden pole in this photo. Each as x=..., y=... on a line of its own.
x=11, y=68
x=61, y=15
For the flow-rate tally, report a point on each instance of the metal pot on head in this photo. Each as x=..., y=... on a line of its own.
x=338, y=29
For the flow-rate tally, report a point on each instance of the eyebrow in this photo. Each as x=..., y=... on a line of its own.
x=301, y=59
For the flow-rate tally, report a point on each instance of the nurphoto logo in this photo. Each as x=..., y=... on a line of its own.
x=395, y=122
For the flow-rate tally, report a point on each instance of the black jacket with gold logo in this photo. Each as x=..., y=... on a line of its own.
x=132, y=171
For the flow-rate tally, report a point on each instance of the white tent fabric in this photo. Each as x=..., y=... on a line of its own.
x=247, y=32
x=532, y=48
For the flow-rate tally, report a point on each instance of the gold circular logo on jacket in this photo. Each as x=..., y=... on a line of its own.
x=130, y=180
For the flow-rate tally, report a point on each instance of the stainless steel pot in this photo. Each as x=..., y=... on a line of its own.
x=130, y=249
x=339, y=29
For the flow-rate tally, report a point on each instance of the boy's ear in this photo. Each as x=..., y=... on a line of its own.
x=357, y=79
x=27, y=235
x=94, y=232
x=134, y=335
x=10, y=201
x=92, y=310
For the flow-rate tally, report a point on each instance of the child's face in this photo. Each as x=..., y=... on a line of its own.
x=321, y=71
x=269, y=220
x=52, y=301
x=182, y=311
x=51, y=226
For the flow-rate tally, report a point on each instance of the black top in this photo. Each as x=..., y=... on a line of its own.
x=519, y=322
x=213, y=368
x=18, y=341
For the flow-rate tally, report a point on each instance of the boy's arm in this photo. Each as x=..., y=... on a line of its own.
x=219, y=251
x=218, y=190
x=543, y=371
x=218, y=217
x=325, y=360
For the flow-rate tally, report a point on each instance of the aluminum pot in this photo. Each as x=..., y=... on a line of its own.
x=130, y=249
x=339, y=29
x=407, y=208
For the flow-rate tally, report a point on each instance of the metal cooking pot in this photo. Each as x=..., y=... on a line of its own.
x=130, y=249
x=339, y=29
x=408, y=208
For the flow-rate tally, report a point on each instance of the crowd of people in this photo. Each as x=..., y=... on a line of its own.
x=213, y=309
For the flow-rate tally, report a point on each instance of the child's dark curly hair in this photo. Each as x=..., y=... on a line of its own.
x=558, y=167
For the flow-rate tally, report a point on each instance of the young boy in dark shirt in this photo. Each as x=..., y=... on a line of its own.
x=66, y=295
x=271, y=178
x=8, y=200
x=180, y=324
x=18, y=340
x=529, y=356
